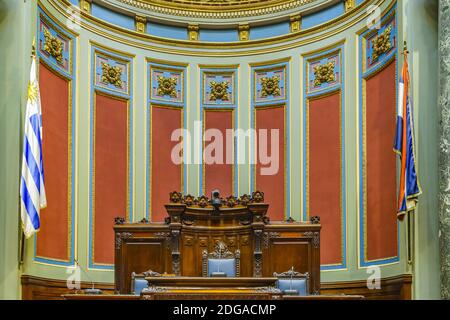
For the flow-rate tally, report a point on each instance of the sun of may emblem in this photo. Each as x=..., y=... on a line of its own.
x=32, y=91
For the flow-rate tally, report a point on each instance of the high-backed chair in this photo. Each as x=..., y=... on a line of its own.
x=292, y=282
x=221, y=260
x=138, y=282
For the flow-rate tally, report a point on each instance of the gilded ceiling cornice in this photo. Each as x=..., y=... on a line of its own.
x=217, y=9
x=242, y=48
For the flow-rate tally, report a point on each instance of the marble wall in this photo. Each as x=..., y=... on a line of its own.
x=444, y=165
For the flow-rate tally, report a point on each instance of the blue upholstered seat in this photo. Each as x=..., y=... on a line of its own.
x=222, y=265
x=139, y=285
x=298, y=285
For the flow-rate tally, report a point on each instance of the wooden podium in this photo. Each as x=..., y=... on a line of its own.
x=194, y=225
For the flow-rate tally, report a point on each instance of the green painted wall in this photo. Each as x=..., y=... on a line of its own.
x=421, y=33
x=17, y=28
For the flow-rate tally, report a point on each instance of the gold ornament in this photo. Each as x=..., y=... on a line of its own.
x=324, y=73
x=219, y=91
x=111, y=75
x=53, y=46
x=167, y=86
x=381, y=43
x=32, y=92
x=270, y=86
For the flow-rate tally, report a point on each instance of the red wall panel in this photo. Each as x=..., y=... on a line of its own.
x=166, y=176
x=110, y=172
x=273, y=186
x=381, y=222
x=219, y=176
x=324, y=174
x=53, y=237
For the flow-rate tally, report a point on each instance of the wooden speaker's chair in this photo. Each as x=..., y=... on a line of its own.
x=221, y=262
x=292, y=282
x=138, y=282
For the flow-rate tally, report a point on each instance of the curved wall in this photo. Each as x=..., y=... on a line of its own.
x=113, y=97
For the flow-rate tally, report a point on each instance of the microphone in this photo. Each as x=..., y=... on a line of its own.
x=88, y=290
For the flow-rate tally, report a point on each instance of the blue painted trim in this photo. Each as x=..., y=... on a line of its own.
x=94, y=88
x=218, y=35
x=339, y=87
x=235, y=107
x=113, y=17
x=286, y=102
x=324, y=15
x=181, y=106
x=270, y=30
x=384, y=61
x=72, y=78
x=166, y=31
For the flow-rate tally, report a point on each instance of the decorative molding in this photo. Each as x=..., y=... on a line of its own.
x=315, y=236
x=257, y=253
x=119, y=220
x=153, y=289
x=267, y=236
x=140, y=23
x=324, y=73
x=244, y=32
x=270, y=86
x=349, y=5
x=193, y=32
x=291, y=274
x=203, y=201
x=53, y=46
x=269, y=290
x=381, y=44
x=85, y=5
x=218, y=87
x=120, y=237
x=167, y=86
x=219, y=90
x=217, y=9
x=176, y=46
x=111, y=75
x=270, y=83
x=295, y=23
x=167, y=83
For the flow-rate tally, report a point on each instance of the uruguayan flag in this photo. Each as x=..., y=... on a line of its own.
x=32, y=190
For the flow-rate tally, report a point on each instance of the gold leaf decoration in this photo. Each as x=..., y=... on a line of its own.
x=111, y=75
x=381, y=44
x=219, y=91
x=167, y=86
x=53, y=46
x=270, y=86
x=324, y=73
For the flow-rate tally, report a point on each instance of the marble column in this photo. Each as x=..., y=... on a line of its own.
x=444, y=161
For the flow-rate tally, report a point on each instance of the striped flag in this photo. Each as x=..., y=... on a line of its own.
x=409, y=187
x=32, y=190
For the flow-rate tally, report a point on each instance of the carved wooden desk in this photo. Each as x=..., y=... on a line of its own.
x=206, y=288
x=191, y=227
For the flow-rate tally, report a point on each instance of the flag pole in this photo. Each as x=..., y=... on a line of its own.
x=409, y=221
x=22, y=239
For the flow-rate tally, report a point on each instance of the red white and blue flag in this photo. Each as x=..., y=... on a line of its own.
x=409, y=187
